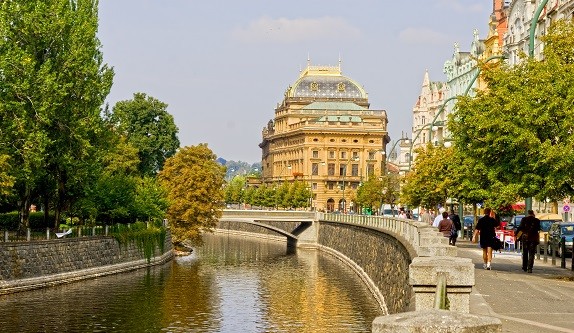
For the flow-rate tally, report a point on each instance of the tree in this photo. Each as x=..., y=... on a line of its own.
x=429, y=183
x=234, y=190
x=194, y=183
x=517, y=134
x=370, y=193
x=148, y=126
x=151, y=201
x=53, y=83
x=6, y=180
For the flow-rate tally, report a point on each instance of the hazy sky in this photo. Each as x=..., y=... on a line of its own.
x=222, y=66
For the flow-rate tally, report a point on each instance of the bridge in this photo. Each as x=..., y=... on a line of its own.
x=400, y=260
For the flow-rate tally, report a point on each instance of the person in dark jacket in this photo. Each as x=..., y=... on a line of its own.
x=456, y=221
x=529, y=228
x=486, y=228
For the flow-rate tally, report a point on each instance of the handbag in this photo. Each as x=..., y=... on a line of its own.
x=496, y=244
x=519, y=234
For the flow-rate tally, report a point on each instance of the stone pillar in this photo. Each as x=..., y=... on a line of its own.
x=423, y=277
x=435, y=321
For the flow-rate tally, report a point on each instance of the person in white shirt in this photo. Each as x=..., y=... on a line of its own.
x=438, y=218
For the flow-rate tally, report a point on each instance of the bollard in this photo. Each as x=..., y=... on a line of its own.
x=546, y=248
x=6, y=238
x=538, y=252
x=27, y=234
x=553, y=251
x=563, y=253
x=107, y=229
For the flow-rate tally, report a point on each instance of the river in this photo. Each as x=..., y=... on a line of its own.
x=230, y=284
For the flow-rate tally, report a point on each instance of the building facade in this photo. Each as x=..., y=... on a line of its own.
x=324, y=134
x=520, y=14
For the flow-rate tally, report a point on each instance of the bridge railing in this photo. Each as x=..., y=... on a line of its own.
x=409, y=229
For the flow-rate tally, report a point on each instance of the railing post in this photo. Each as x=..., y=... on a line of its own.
x=440, y=298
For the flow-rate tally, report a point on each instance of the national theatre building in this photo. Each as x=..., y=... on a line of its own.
x=324, y=134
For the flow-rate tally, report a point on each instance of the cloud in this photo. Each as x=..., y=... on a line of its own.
x=283, y=30
x=424, y=36
x=461, y=6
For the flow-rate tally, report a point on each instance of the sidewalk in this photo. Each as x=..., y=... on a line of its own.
x=542, y=301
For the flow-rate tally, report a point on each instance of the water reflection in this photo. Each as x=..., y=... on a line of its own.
x=230, y=284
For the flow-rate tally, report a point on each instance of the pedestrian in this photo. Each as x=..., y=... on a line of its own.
x=446, y=226
x=426, y=217
x=402, y=214
x=528, y=233
x=485, y=228
x=456, y=221
x=438, y=218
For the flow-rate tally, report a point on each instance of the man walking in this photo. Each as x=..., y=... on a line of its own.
x=528, y=233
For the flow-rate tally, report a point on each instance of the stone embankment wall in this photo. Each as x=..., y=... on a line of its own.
x=378, y=257
x=37, y=264
x=382, y=257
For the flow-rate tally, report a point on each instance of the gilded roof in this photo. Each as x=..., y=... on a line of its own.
x=326, y=82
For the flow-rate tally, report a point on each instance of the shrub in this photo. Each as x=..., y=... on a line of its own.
x=11, y=221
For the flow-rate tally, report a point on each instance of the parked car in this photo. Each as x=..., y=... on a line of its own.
x=546, y=221
x=559, y=230
x=467, y=225
x=514, y=222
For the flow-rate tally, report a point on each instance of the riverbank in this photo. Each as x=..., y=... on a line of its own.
x=38, y=264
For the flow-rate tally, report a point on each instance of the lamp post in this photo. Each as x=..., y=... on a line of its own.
x=534, y=22
x=442, y=107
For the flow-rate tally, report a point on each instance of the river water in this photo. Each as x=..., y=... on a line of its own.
x=230, y=284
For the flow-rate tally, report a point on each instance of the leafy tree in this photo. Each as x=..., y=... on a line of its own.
x=234, y=190
x=370, y=193
x=148, y=126
x=300, y=194
x=6, y=180
x=53, y=82
x=150, y=200
x=517, y=135
x=430, y=181
x=114, y=194
x=194, y=183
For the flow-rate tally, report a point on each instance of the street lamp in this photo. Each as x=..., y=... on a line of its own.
x=442, y=107
x=534, y=22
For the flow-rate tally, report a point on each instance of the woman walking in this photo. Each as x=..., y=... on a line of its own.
x=485, y=227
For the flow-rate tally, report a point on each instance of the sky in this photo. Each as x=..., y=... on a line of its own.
x=223, y=66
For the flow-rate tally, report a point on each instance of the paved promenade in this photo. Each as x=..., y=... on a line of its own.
x=542, y=301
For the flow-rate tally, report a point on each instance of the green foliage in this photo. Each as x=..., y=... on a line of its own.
x=11, y=220
x=194, y=183
x=516, y=138
x=234, y=190
x=370, y=193
x=430, y=181
x=147, y=125
x=146, y=238
x=150, y=203
x=53, y=85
